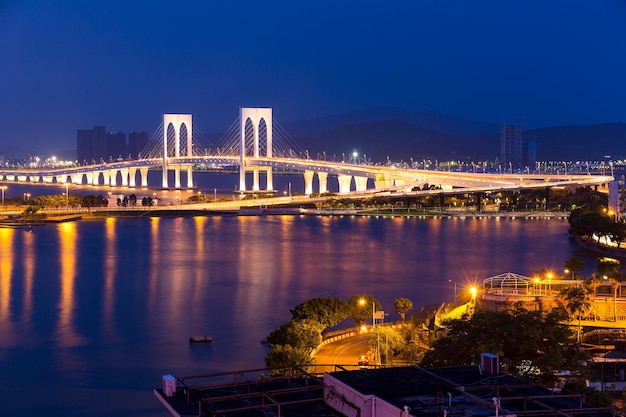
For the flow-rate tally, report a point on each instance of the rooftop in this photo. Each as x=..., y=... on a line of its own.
x=459, y=390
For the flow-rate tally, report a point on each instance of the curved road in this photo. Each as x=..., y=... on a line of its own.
x=344, y=352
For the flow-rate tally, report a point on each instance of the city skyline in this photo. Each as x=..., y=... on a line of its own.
x=73, y=66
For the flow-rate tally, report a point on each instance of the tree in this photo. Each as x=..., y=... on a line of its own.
x=608, y=267
x=592, y=395
x=587, y=223
x=533, y=345
x=401, y=306
x=305, y=335
x=328, y=311
x=287, y=355
x=386, y=341
x=30, y=211
x=577, y=302
x=574, y=265
x=360, y=308
x=132, y=200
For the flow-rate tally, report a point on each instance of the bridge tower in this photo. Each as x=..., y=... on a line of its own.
x=255, y=115
x=177, y=122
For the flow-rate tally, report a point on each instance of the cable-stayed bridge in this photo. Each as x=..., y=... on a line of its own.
x=258, y=145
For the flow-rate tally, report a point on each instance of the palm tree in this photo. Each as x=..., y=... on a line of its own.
x=576, y=300
x=616, y=282
x=608, y=268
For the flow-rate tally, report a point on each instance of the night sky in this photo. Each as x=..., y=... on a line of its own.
x=72, y=64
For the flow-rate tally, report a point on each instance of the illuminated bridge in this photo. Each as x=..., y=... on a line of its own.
x=255, y=145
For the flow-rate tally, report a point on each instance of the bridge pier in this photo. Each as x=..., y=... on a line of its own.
x=323, y=180
x=383, y=181
x=177, y=177
x=47, y=179
x=189, y=176
x=144, y=177
x=113, y=178
x=132, y=172
x=361, y=184
x=124, y=173
x=270, y=178
x=308, y=182
x=255, y=179
x=344, y=183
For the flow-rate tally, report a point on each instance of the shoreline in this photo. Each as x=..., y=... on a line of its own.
x=261, y=210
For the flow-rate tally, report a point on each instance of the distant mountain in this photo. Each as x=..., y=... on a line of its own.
x=601, y=141
x=426, y=119
x=400, y=139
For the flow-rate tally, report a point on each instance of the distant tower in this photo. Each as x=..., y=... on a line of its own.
x=90, y=144
x=84, y=145
x=115, y=146
x=137, y=142
x=511, y=144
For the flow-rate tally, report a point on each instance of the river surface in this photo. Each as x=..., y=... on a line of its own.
x=93, y=313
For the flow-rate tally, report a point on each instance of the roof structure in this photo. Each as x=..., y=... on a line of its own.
x=404, y=391
x=461, y=390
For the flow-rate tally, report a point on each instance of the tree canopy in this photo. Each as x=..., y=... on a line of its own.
x=328, y=311
x=401, y=306
x=360, y=308
x=531, y=344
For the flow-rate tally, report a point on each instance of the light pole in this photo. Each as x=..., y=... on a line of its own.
x=455, y=293
x=67, y=198
x=362, y=302
x=4, y=187
x=549, y=283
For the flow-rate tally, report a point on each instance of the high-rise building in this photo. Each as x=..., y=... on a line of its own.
x=511, y=144
x=115, y=146
x=137, y=142
x=95, y=145
x=99, y=151
x=84, y=146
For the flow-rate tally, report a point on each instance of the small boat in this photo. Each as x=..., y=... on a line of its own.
x=200, y=339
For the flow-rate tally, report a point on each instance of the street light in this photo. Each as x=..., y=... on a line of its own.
x=362, y=302
x=67, y=198
x=536, y=280
x=549, y=275
x=4, y=187
x=473, y=292
x=455, y=293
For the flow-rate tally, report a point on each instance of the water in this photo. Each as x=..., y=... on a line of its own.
x=92, y=313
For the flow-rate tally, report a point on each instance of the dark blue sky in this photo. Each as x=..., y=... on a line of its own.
x=72, y=64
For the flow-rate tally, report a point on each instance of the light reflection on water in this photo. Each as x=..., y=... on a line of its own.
x=96, y=311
